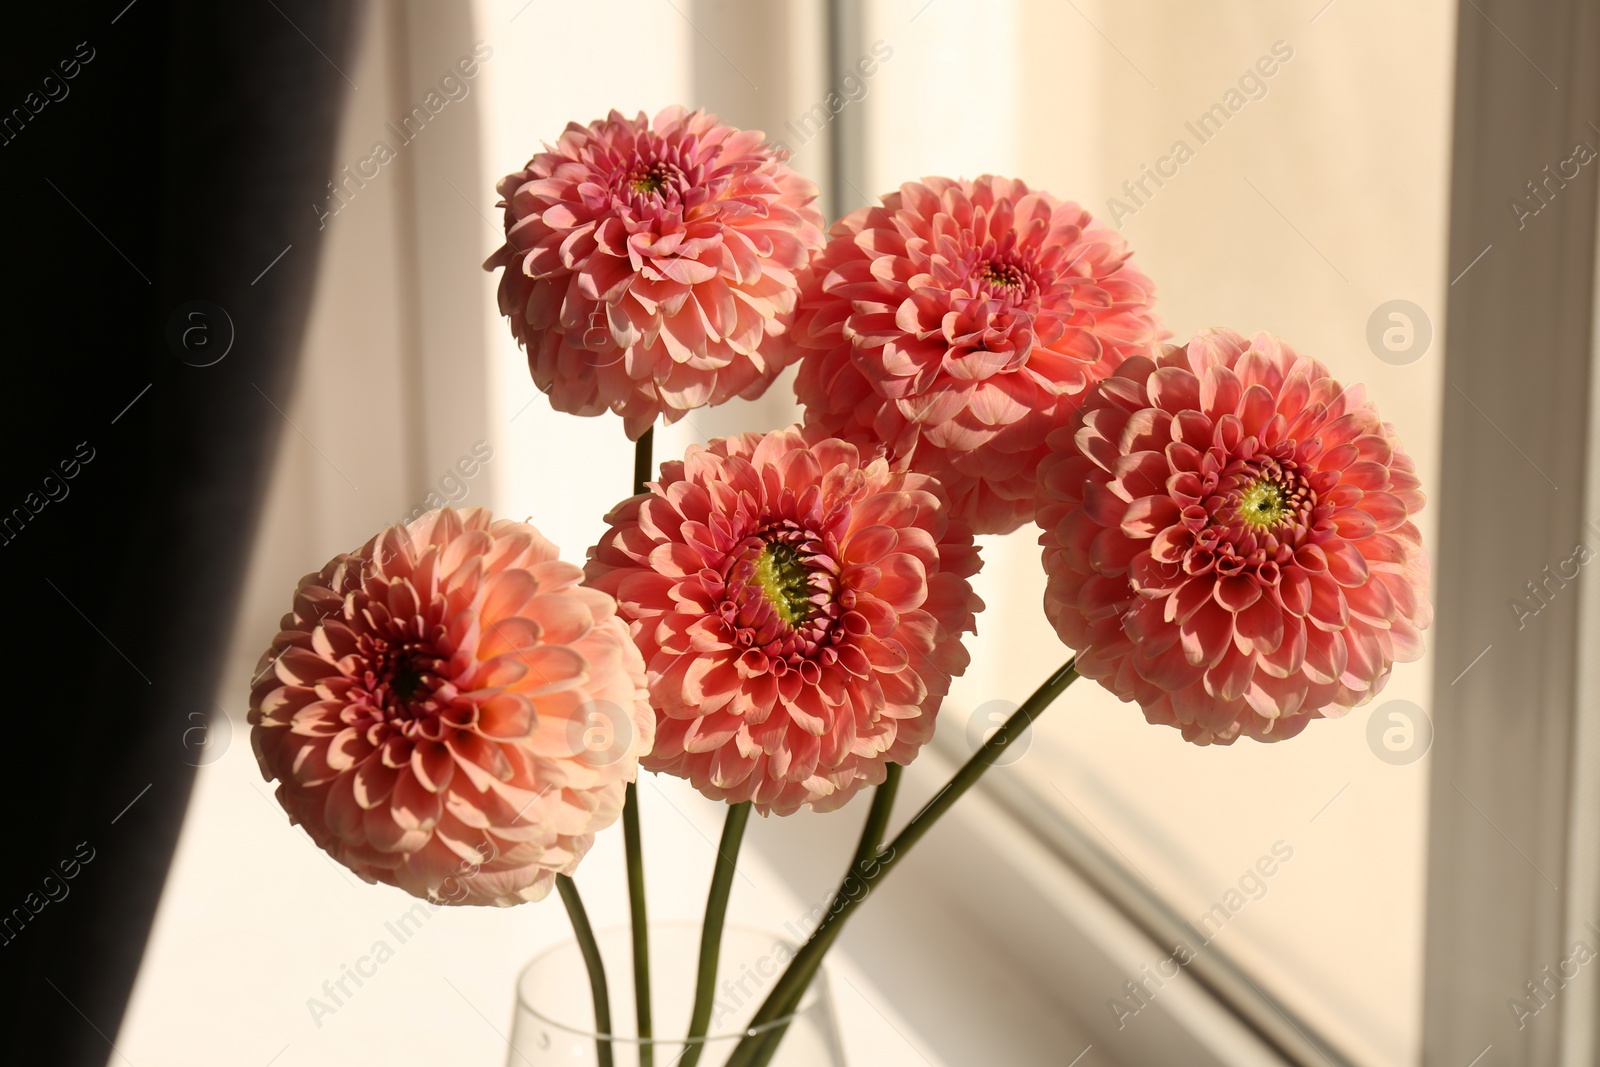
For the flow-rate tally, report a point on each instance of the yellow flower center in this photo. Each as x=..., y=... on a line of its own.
x=1263, y=504
x=785, y=581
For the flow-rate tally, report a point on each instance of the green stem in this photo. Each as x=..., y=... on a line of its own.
x=640, y=923
x=642, y=462
x=633, y=845
x=711, y=931
x=757, y=1049
x=591, y=959
x=877, y=817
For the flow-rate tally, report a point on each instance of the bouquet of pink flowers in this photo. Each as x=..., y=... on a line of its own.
x=1227, y=534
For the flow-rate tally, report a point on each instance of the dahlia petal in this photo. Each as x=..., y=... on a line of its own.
x=432, y=765
x=414, y=806
x=1230, y=677
x=728, y=769
x=308, y=767
x=1103, y=506
x=348, y=749
x=1406, y=640
x=506, y=592
x=372, y=782
x=318, y=719
x=386, y=835
x=507, y=716
x=1269, y=701
x=1220, y=392
x=1259, y=628
x=1207, y=634
x=1171, y=671
x=560, y=618
x=1387, y=510
x=1174, y=389
x=905, y=689
x=341, y=814
x=510, y=636
x=710, y=732
x=1171, y=544
x=1148, y=516
x=299, y=666
x=1140, y=474
x=1112, y=551
x=1371, y=603
x=1328, y=607
x=1346, y=564
x=1326, y=656
x=1190, y=598
x=871, y=544
x=1294, y=590
x=1152, y=577
x=905, y=581
x=1237, y=593
x=1364, y=664
x=1256, y=408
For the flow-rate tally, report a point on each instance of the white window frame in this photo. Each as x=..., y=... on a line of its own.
x=1520, y=727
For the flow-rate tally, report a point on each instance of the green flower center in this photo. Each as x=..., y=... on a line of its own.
x=785, y=580
x=1263, y=504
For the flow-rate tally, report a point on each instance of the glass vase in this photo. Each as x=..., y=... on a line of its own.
x=555, y=1011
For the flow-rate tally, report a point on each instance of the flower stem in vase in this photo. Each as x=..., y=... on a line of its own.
x=761, y=1041
x=591, y=959
x=711, y=931
x=639, y=921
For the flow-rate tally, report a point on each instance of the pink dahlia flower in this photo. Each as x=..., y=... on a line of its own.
x=800, y=609
x=1228, y=540
x=958, y=324
x=447, y=710
x=646, y=262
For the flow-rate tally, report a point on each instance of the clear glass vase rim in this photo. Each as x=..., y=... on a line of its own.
x=808, y=1002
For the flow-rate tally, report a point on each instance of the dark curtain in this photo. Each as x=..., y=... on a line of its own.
x=159, y=160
